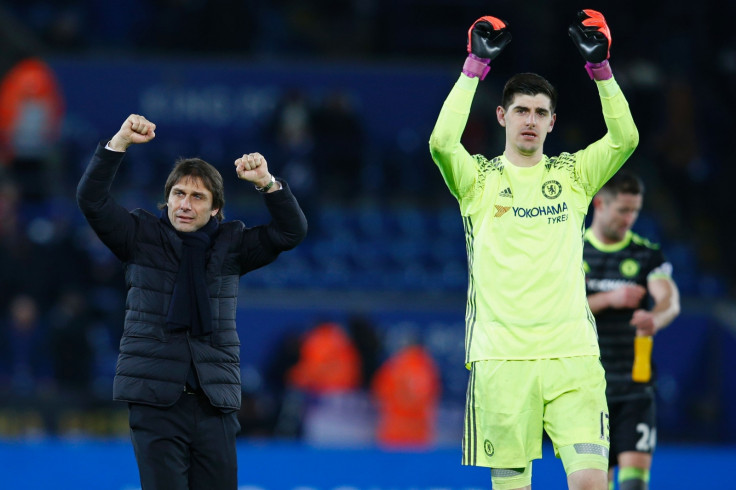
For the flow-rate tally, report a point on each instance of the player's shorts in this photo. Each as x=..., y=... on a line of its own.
x=510, y=403
x=633, y=426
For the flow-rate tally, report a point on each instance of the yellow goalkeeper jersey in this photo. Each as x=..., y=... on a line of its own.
x=524, y=233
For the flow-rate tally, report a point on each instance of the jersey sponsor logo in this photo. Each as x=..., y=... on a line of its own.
x=607, y=284
x=488, y=447
x=551, y=189
x=505, y=193
x=554, y=214
x=629, y=267
x=500, y=210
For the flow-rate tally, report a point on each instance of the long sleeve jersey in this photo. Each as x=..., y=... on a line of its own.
x=523, y=233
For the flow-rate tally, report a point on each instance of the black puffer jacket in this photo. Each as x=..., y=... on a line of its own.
x=153, y=362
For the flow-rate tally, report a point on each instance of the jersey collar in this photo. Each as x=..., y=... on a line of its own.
x=608, y=247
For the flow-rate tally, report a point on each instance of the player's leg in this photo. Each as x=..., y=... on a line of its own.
x=576, y=419
x=635, y=439
x=503, y=421
x=636, y=475
x=512, y=478
x=589, y=479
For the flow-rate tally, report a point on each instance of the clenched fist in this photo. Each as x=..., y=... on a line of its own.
x=253, y=168
x=135, y=130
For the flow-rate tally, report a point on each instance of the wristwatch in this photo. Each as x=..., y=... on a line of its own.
x=268, y=186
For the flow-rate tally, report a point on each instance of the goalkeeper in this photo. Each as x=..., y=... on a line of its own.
x=531, y=344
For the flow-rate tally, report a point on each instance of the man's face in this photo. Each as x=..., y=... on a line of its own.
x=617, y=214
x=190, y=205
x=527, y=120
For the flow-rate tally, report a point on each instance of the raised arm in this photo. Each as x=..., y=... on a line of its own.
x=487, y=37
x=592, y=36
x=288, y=226
x=112, y=223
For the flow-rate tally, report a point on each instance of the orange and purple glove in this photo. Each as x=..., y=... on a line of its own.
x=592, y=37
x=486, y=39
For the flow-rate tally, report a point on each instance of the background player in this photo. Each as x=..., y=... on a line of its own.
x=624, y=273
x=531, y=345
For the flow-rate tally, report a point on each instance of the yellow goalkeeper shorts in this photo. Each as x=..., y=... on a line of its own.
x=511, y=402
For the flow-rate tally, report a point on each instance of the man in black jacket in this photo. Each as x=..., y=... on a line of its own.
x=179, y=362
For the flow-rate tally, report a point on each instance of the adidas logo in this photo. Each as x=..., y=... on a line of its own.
x=505, y=193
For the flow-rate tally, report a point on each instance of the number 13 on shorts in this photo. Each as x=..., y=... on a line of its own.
x=605, y=427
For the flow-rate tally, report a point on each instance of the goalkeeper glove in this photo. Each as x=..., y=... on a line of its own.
x=592, y=37
x=487, y=37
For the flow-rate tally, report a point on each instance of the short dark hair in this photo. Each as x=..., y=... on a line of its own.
x=623, y=182
x=210, y=177
x=528, y=84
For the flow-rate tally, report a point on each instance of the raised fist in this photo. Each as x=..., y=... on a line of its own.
x=592, y=36
x=135, y=130
x=253, y=168
x=487, y=37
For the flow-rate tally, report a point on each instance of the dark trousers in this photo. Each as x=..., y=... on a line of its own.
x=190, y=445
